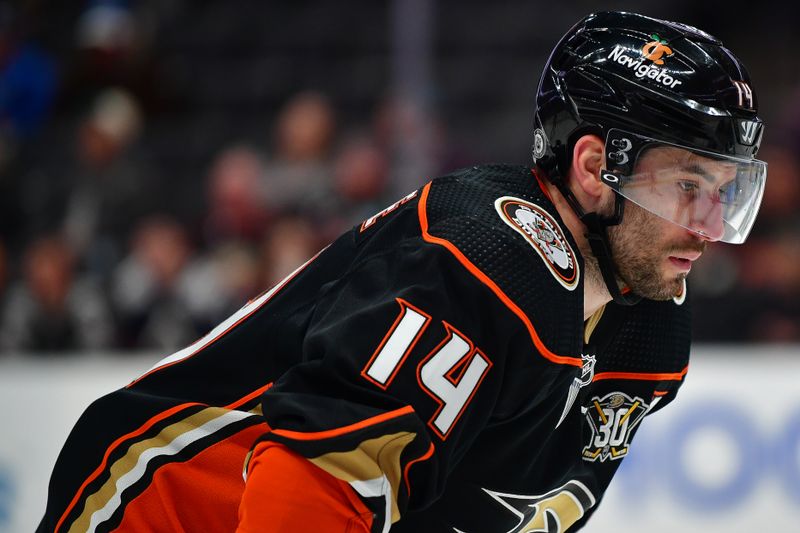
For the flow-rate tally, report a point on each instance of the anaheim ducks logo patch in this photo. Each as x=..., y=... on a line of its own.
x=544, y=234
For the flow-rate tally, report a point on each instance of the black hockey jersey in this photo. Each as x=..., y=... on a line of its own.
x=435, y=357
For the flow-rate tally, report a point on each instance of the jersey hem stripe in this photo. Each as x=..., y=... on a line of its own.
x=318, y=435
x=145, y=427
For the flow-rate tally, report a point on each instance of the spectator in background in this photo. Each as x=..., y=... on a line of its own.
x=360, y=178
x=112, y=185
x=298, y=173
x=27, y=80
x=51, y=309
x=151, y=288
x=95, y=191
x=290, y=242
x=237, y=207
x=224, y=280
x=112, y=48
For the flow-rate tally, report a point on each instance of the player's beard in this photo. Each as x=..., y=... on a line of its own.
x=639, y=250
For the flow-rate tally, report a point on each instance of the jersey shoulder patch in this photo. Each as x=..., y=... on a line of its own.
x=544, y=234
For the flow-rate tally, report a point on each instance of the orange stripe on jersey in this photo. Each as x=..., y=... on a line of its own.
x=661, y=393
x=286, y=492
x=147, y=425
x=201, y=494
x=251, y=396
x=676, y=376
x=424, y=457
x=475, y=271
x=317, y=435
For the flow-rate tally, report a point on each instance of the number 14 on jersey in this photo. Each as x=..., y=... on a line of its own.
x=450, y=374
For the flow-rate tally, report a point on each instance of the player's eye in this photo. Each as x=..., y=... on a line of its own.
x=729, y=192
x=688, y=187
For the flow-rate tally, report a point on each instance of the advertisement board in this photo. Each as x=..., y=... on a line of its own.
x=724, y=457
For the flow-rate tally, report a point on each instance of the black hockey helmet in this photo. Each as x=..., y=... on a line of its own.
x=660, y=79
x=639, y=82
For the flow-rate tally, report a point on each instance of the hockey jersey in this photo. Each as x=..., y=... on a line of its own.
x=435, y=357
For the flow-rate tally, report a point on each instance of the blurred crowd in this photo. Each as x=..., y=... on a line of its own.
x=99, y=251
x=102, y=249
x=104, y=262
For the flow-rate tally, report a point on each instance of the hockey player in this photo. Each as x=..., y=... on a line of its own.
x=478, y=356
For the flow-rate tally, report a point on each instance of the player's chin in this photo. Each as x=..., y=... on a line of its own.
x=673, y=287
x=665, y=289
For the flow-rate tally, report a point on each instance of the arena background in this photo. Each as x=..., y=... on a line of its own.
x=163, y=161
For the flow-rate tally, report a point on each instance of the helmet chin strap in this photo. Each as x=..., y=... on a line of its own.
x=597, y=235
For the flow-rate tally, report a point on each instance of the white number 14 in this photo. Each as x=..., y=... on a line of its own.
x=450, y=374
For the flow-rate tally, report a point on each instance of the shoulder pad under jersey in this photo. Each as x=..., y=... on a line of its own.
x=502, y=226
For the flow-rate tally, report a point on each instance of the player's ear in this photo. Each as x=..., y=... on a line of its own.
x=587, y=160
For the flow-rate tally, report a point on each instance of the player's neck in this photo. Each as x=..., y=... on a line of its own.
x=595, y=293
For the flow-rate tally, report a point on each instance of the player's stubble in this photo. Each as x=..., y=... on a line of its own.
x=640, y=247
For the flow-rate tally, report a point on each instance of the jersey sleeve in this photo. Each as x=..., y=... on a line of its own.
x=402, y=367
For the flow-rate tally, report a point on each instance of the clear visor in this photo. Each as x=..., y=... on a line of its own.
x=713, y=195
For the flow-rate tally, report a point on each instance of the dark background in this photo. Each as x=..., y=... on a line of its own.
x=163, y=161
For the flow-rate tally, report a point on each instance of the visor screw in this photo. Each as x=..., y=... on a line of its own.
x=539, y=142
